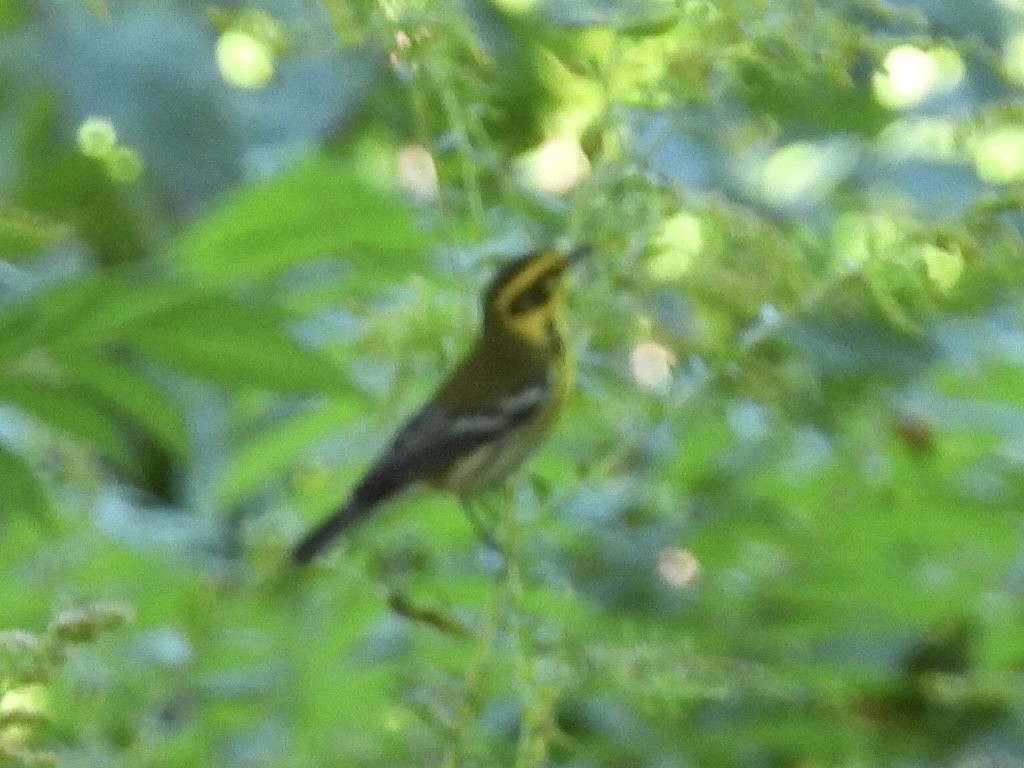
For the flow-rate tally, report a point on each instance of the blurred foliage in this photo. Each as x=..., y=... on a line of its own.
x=780, y=526
x=29, y=661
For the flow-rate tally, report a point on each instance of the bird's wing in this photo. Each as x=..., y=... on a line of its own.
x=436, y=437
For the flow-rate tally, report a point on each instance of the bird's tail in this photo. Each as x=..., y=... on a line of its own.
x=329, y=529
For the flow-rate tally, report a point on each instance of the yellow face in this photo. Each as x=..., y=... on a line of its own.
x=527, y=296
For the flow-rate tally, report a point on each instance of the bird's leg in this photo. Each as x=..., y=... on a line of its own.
x=483, y=533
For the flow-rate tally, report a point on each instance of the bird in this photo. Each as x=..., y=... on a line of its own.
x=493, y=409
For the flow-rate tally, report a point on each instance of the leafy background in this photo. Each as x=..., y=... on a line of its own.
x=780, y=525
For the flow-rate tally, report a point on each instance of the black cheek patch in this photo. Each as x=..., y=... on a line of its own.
x=536, y=296
x=539, y=292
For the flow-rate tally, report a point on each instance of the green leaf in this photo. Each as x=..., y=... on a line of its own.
x=86, y=312
x=117, y=305
x=20, y=490
x=233, y=344
x=65, y=409
x=125, y=390
x=823, y=101
x=319, y=208
x=23, y=232
x=40, y=319
x=275, y=450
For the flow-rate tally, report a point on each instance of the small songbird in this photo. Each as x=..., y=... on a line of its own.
x=494, y=408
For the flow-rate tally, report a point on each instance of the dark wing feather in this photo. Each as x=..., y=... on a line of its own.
x=429, y=444
x=435, y=438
